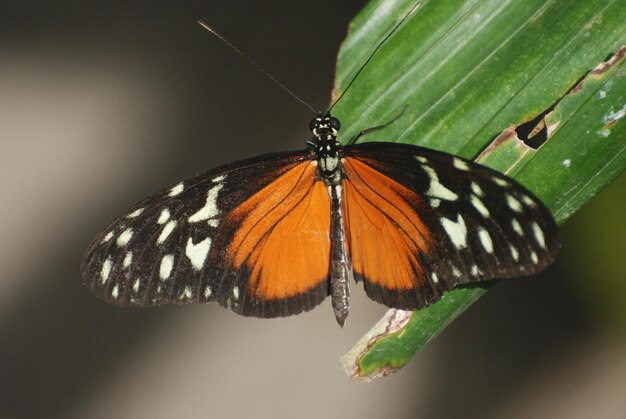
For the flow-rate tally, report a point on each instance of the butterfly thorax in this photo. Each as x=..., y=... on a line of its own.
x=328, y=149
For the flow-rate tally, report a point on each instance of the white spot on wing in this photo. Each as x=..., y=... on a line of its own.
x=213, y=222
x=167, y=230
x=434, y=203
x=436, y=188
x=456, y=231
x=517, y=227
x=177, y=189
x=478, y=204
x=218, y=179
x=434, y=277
x=528, y=201
x=534, y=258
x=136, y=285
x=164, y=216
x=513, y=203
x=236, y=292
x=207, y=292
x=128, y=259
x=485, y=240
x=186, y=294
x=477, y=189
x=106, y=269
x=474, y=270
x=124, y=237
x=135, y=213
x=514, y=253
x=422, y=159
x=460, y=164
x=197, y=253
x=456, y=272
x=167, y=263
x=500, y=182
x=210, y=209
x=115, y=292
x=538, y=232
x=108, y=237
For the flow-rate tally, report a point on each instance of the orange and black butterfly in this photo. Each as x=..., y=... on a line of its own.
x=274, y=235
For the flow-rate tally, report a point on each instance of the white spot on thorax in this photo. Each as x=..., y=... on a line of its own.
x=517, y=227
x=478, y=204
x=236, y=292
x=115, y=292
x=167, y=230
x=538, y=232
x=164, y=216
x=167, y=263
x=106, y=269
x=514, y=253
x=456, y=231
x=136, y=285
x=108, y=237
x=210, y=209
x=513, y=203
x=135, y=213
x=124, y=237
x=177, y=189
x=460, y=164
x=128, y=259
x=436, y=189
x=485, y=240
x=197, y=253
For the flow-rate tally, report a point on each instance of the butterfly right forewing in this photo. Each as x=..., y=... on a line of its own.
x=472, y=222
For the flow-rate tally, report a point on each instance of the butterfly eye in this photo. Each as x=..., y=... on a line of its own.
x=314, y=124
x=334, y=123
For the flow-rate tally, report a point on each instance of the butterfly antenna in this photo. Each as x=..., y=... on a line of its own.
x=393, y=30
x=254, y=63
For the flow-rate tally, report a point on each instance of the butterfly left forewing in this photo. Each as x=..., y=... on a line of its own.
x=480, y=224
x=161, y=250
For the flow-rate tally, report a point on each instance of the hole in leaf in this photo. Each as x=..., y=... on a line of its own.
x=534, y=133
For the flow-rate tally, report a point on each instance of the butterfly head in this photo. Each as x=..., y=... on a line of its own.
x=328, y=150
x=324, y=125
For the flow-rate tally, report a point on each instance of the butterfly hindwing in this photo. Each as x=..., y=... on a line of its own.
x=474, y=223
x=276, y=246
x=163, y=249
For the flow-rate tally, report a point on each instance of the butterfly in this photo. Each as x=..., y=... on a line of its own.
x=274, y=235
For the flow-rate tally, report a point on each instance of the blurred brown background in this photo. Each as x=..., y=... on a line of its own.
x=103, y=103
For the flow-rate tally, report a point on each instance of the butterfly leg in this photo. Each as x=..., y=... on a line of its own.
x=340, y=266
x=372, y=129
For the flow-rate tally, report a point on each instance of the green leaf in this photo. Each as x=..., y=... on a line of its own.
x=477, y=75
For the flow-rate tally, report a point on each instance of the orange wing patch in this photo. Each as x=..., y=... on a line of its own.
x=386, y=237
x=284, y=236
